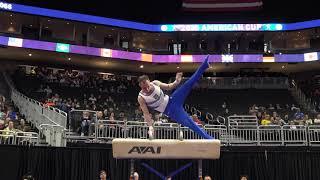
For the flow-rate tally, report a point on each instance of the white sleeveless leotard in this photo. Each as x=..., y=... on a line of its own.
x=157, y=100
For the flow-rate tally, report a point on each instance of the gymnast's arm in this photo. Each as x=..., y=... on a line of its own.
x=145, y=110
x=169, y=86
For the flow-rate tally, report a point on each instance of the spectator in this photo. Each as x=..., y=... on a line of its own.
x=2, y=101
x=271, y=107
x=22, y=126
x=100, y=115
x=294, y=108
x=266, y=120
x=103, y=175
x=286, y=118
x=135, y=176
x=105, y=114
x=48, y=91
x=307, y=120
x=12, y=114
x=292, y=125
x=85, y=124
x=92, y=99
x=259, y=117
x=8, y=130
x=28, y=177
x=274, y=114
x=111, y=117
x=2, y=124
x=196, y=119
x=298, y=115
x=244, y=178
x=317, y=120
x=278, y=107
x=55, y=98
x=157, y=118
x=207, y=178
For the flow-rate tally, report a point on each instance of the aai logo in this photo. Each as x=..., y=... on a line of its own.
x=5, y=6
x=145, y=150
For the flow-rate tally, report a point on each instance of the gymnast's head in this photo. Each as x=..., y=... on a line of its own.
x=144, y=82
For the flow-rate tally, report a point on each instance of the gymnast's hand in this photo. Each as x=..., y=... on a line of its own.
x=179, y=77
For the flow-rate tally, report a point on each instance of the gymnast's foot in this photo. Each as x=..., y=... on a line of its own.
x=207, y=60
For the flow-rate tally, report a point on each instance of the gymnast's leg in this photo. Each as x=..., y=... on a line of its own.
x=182, y=117
x=183, y=91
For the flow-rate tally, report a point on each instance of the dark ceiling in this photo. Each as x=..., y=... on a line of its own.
x=169, y=11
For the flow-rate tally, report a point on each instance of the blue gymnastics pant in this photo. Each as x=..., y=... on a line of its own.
x=175, y=109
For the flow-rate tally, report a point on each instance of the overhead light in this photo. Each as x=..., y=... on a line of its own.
x=48, y=20
x=69, y=59
x=282, y=67
x=30, y=54
x=11, y=23
x=269, y=51
x=140, y=49
x=141, y=66
x=280, y=53
x=11, y=15
x=68, y=23
x=178, y=67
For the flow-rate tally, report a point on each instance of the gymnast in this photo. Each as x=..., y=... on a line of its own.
x=152, y=96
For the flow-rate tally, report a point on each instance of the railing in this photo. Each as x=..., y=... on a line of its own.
x=270, y=135
x=241, y=135
x=314, y=135
x=53, y=134
x=38, y=114
x=244, y=82
x=242, y=120
x=300, y=97
x=18, y=138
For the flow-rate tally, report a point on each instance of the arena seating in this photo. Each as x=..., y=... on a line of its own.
x=71, y=91
x=22, y=131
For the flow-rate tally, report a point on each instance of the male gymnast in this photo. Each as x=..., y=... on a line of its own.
x=152, y=96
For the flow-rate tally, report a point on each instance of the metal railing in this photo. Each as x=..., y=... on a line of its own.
x=240, y=135
x=244, y=82
x=314, y=135
x=270, y=135
x=19, y=138
x=300, y=97
x=39, y=114
x=243, y=120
